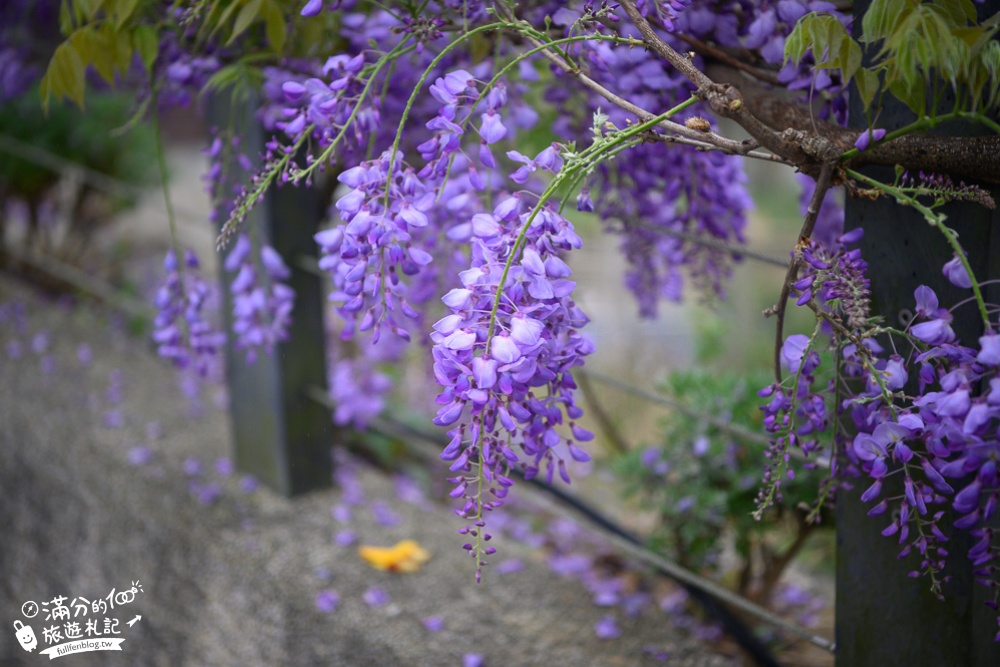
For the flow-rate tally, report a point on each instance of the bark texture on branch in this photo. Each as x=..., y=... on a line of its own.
x=976, y=158
x=789, y=130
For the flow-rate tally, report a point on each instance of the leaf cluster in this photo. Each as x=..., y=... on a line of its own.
x=107, y=35
x=919, y=51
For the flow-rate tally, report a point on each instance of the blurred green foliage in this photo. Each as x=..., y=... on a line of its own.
x=702, y=477
x=83, y=138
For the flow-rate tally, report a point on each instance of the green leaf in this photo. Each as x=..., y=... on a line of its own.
x=912, y=92
x=241, y=78
x=120, y=43
x=883, y=16
x=64, y=76
x=248, y=14
x=86, y=10
x=147, y=44
x=123, y=11
x=66, y=23
x=868, y=85
x=275, y=26
x=959, y=12
x=93, y=48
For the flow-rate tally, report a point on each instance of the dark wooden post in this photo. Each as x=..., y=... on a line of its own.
x=281, y=436
x=883, y=617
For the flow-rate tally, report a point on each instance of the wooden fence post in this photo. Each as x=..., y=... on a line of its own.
x=281, y=436
x=884, y=617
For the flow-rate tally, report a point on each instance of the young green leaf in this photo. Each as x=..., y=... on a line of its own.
x=123, y=11
x=247, y=15
x=64, y=76
x=275, y=26
x=146, y=44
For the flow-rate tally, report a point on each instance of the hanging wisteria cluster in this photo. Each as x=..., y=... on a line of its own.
x=459, y=132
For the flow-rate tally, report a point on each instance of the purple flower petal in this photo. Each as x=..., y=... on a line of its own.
x=607, y=628
x=312, y=8
x=376, y=597
x=327, y=601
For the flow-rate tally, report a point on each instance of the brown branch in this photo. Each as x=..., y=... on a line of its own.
x=809, y=143
x=807, y=152
x=701, y=139
x=822, y=185
x=976, y=158
x=777, y=567
x=722, y=56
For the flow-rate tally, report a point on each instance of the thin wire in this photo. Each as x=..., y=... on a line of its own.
x=630, y=546
x=721, y=424
x=716, y=244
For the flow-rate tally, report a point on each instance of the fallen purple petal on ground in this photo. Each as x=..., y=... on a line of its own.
x=140, y=456
x=376, y=597
x=434, y=623
x=472, y=660
x=342, y=513
x=192, y=466
x=655, y=653
x=327, y=601
x=224, y=467
x=607, y=628
x=345, y=538
x=113, y=419
x=207, y=494
x=40, y=343
x=384, y=514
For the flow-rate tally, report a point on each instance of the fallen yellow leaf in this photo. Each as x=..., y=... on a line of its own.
x=405, y=556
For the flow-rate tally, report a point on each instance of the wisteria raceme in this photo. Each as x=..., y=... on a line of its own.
x=658, y=216
x=942, y=441
x=180, y=330
x=262, y=311
x=504, y=357
x=388, y=218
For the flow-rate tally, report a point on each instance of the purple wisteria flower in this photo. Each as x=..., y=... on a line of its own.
x=868, y=137
x=262, y=312
x=180, y=330
x=491, y=353
x=942, y=441
x=956, y=274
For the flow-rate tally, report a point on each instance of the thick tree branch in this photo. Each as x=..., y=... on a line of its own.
x=805, y=151
x=976, y=158
x=790, y=131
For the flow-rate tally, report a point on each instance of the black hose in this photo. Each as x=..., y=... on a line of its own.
x=729, y=621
